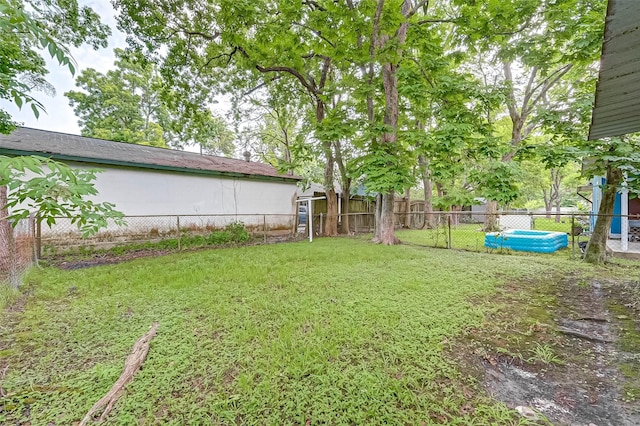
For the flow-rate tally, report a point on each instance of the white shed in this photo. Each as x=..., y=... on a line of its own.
x=143, y=180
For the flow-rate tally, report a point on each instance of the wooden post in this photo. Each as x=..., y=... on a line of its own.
x=179, y=233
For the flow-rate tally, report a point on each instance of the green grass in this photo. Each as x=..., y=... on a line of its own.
x=340, y=331
x=470, y=237
x=544, y=224
x=7, y=295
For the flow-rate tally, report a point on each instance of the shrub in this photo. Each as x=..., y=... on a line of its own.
x=238, y=232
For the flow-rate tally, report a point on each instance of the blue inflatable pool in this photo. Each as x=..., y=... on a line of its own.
x=525, y=240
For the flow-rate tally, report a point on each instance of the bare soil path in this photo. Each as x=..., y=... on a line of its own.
x=578, y=363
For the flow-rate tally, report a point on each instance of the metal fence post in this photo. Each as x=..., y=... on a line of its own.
x=39, y=238
x=264, y=227
x=32, y=231
x=179, y=233
x=320, y=224
x=532, y=220
x=449, y=231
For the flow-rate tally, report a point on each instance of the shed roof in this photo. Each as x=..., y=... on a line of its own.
x=617, y=104
x=62, y=146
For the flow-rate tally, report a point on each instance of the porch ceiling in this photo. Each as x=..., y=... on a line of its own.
x=617, y=103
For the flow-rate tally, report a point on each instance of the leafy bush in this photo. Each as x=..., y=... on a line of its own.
x=237, y=232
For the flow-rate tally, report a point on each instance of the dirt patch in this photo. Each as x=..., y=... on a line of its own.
x=569, y=358
x=70, y=263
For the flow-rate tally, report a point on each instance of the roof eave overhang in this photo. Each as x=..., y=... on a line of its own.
x=617, y=101
x=109, y=162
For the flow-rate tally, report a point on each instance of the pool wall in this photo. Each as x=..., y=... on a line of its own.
x=526, y=240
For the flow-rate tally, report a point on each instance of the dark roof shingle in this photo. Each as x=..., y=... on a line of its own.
x=79, y=148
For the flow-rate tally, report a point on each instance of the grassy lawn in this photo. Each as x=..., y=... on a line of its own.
x=340, y=331
x=544, y=224
x=471, y=237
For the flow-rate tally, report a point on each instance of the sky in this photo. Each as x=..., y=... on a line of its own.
x=59, y=116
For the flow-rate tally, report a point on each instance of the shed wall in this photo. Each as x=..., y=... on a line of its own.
x=153, y=192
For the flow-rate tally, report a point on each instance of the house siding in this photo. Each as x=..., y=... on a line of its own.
x=153, y=192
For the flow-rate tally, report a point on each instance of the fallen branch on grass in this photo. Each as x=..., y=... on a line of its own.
x=131, y=365
x=580, y=335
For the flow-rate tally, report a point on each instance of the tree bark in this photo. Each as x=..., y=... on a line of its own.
x=377, y=219
x=390, y=84
x=346, y=189
x=387, y=219
x=345, y=223
x=391, y=111
x=548, y=204
x=428, y=193
x=491, y=216
x=597, y=248
x=331, y=223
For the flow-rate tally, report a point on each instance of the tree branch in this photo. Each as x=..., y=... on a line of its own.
x=414, y=10
x=511, y=98
x=548, y=83
x=435, y=21
x=375, y=34
x=316, y=32
x=308, y=85
x=528, y=92
x=260, y=86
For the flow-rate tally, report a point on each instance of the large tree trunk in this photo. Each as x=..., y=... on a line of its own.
x=548, y=203
x=387, y=221
x=346, y=189
x=597, y=247
x=491, y=216
x=331, y=224
x=391, y=111
x=377, y=220
x=390, y=83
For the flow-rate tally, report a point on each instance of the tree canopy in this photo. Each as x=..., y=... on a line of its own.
x=133, y=104
x=27, y=27
x=35, y=184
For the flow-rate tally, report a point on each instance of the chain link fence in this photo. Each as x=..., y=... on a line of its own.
x=465, y=230
x=21, y=245
x=166, y=232
x=17, y=249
